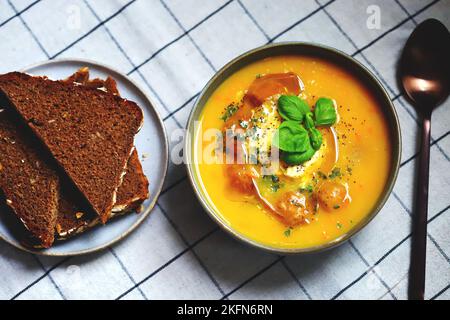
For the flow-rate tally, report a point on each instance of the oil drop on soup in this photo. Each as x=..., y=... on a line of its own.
x=331, y=138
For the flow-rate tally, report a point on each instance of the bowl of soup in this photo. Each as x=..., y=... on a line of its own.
x=293, y=147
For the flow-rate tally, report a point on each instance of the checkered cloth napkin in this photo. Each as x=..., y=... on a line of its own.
x=172, y=47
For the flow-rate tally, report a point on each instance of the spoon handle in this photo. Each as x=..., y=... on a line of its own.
x=419, y=234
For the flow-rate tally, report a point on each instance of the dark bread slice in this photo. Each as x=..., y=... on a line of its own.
x=29, y=186
x=132, y=192
x=130, y=195
x=89, y=132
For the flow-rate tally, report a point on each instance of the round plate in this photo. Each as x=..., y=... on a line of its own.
x=151, y=142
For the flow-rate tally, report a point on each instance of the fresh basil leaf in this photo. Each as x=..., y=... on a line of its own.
x=296, y=158
x=292, y=108
x=316, y=138
x=309, y=121
x=291, y=137
x=324, y=112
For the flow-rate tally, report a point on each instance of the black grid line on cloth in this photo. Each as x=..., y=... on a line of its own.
x=312, y=13
x=165, y=265
x=58, y=289
x=115, y=14
x=440, y=293
x=408, y=211
x=177, y=21
x=253, y=20
x=388, y=253
x=327, y=3
x=127, y=57
x=17, y=14
x=124, y=269
x=409, y=18
x=394, y=286
x=260, y=272
x=367, y=264
x=417, y=153
x=186, y=242
x=35, y=38
x=45, y=274
x=406, y=11
x=180, y=37
x=289, y=270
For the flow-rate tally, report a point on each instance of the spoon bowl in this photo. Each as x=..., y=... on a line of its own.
x=425, y=67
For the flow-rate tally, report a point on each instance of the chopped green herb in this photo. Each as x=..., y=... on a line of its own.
x=309, y=188
x=243, y=124
x=336, y=206
x=229, y=111
x=275, y=183
x=259, y=75
x=336, y=172
x=322, y=175
x=339, y=225
x=287, y=233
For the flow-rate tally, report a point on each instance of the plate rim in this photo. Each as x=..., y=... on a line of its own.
x=143, y=215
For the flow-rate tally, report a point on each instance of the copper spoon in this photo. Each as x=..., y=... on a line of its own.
x=424, y=72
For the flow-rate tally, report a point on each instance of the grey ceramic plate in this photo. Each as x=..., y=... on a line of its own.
x=151, y=142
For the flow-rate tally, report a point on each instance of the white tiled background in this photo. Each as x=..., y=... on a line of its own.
x=172, y=47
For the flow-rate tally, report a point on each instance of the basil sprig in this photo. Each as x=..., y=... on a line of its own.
x=297, y=137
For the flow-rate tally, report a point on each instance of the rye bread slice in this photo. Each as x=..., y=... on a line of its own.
x=89, y=132
x=130, y=195
x=132, y=192
x=29, y=186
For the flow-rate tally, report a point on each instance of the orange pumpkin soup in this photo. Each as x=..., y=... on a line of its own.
x=304, y=152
